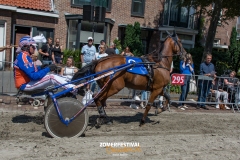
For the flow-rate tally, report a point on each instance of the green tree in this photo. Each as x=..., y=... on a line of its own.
x=234, y=51
x=133, y=39
x=118, y=44
x=217, y=11
x=73, y=53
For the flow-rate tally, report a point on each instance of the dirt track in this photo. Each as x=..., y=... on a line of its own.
x=171, y=135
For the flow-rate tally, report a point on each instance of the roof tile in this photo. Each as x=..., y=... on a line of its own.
x=43, y=5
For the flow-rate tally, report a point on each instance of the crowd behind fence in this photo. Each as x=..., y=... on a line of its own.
x=196, y=86
x=207, y=90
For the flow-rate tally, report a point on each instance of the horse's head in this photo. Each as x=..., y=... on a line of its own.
x=176, y=44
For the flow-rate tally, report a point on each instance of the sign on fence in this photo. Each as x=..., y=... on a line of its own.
x=178, y=79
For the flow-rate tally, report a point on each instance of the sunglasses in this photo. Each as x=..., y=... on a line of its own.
x=90, y=40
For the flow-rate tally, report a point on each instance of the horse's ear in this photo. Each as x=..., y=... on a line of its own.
x=174, y=33
x=168, y=33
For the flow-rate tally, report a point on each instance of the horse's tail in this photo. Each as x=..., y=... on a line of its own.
x=85, y=71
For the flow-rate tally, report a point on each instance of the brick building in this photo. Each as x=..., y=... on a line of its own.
x=64, y=19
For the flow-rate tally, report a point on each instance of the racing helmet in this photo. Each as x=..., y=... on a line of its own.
x=25, y=43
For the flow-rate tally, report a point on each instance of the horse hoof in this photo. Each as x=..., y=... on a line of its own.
x=99, y=122
x=142, y=122
x=159, y=110
x=108, y=121
x=164, y=109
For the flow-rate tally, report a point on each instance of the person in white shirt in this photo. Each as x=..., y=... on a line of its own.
x=35, y=59
x=69, y=70
x=99, y=55
x=101, y=52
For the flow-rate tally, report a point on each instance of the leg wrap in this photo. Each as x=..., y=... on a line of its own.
x=167, y=96
x=101, y=111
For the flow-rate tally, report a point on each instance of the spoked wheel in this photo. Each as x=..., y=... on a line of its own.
x=68, y=107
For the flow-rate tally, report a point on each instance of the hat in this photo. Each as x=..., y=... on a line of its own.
x=90, y=38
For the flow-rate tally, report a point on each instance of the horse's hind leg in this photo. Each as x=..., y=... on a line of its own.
x=163, y=108
x=152, y=97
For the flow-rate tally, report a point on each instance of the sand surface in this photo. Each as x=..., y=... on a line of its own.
x=170, y=135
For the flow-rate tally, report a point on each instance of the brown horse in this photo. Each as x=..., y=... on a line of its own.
x=171, y=46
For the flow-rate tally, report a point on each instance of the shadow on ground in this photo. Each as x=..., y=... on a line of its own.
x=26, y=119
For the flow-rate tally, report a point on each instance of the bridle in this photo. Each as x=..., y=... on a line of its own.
x=175, y=39
x=179, y=53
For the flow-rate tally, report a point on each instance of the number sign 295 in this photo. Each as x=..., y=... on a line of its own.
x=178, y=79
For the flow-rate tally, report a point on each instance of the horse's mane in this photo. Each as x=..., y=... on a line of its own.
x=159, y=51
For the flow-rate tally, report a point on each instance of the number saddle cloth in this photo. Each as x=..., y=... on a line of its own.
x=138, y=68
x=141, y=69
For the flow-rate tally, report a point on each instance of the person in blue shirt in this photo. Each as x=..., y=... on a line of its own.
x=207, y=69
x=115, y=48
x=88, y=52
x=186, y=68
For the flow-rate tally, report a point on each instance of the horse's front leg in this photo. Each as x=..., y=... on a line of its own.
x=152, y=97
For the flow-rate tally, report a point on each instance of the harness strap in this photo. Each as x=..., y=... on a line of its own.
x=160, y=66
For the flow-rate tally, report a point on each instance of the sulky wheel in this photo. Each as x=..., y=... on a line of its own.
x=68, y=107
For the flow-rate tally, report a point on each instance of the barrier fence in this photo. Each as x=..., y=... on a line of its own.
x=200, y=87
x=205, y=90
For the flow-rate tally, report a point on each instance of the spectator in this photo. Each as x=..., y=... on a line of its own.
x=88, y=52
x=127, y=52
x=232, y=86
x=5, y=47
x=115, y=48
x=97, y=57
x=204, y=85
x=110, y=50
x=186, y=68
x=35, y=59
x=46, y=52
x=69, y=70
x=143, y=97
x=218, y=91
x=102, y=42
x=57, y=54
x=101, y=53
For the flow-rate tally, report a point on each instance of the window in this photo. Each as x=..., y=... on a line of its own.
x=81, y=2
x=72, y=34
x=177, y=16
x=103, y=3
x=216, y=42
x=47, y=32
x=86, y=31
x=138, y=7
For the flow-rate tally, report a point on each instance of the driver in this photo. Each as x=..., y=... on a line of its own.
x=27, y=76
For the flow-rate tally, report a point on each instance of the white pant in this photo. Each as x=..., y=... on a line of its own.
x=224, y=94
x=46, y=81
